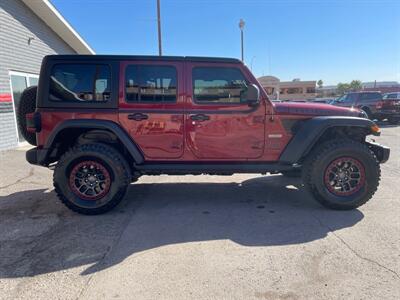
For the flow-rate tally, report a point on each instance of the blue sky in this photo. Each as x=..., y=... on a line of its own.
x=336, y=41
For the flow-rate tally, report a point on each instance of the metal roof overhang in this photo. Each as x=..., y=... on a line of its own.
x=49, y=14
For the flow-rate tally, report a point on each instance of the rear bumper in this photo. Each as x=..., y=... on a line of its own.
x=36, y=156
x=382, y=152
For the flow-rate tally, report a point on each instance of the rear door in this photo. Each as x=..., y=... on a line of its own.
x=219, y=124
x=369, y=99
x=151, y=106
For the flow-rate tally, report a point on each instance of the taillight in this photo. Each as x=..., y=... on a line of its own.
x=33, y=122
x=379, y=104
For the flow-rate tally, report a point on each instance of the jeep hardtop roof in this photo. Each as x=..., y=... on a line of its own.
x=97, y=57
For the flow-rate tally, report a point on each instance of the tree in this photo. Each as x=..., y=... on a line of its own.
x=355, y=85
x=343, y=88
x=320, y=83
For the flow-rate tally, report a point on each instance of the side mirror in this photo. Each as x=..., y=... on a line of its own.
x=252, y=95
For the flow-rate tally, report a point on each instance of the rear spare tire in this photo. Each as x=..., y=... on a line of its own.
x=27, y=104
x=341, y=174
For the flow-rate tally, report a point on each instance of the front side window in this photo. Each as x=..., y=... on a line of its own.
x=80, y=83
x=349, y=98
x=150, y=84
x=218, y=85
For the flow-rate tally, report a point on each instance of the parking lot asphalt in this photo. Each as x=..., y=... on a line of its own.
x=198, y=237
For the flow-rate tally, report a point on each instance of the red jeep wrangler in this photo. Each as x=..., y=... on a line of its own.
x=103, y=121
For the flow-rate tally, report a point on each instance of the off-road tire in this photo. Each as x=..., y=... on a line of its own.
x=317, y=162
x=296, y=173
x=104, y=155
x=27, y=104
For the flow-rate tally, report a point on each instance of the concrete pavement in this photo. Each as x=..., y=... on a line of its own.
x=200, y=237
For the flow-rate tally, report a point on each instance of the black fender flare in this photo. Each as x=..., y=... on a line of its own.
x=309, y=133
x=126, y=140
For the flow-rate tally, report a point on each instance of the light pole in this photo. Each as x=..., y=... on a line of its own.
x=241, y=26
x=159, y=28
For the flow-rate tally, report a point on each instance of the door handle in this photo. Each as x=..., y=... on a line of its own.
x=200, y=117
x=138, y=117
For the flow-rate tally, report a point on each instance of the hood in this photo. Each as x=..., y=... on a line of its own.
x=314, y=109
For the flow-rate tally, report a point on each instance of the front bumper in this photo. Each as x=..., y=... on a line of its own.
x=36, y=156
x=382, y=152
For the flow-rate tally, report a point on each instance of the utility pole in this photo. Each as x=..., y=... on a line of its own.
x=159, y=28
x=241, y=26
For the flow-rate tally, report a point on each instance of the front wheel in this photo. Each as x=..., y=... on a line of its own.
x=367, y=113
x=341, y=174
x=91, y=179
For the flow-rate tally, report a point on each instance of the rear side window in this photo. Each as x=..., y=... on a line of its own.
x=151, y=84
x=370, y=96
x=218, y=85
x=80, y=83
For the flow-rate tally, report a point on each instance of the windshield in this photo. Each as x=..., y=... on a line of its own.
x=341, y=99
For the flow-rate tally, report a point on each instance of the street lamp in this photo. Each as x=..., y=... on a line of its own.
x=159, y=28
x=241, y=26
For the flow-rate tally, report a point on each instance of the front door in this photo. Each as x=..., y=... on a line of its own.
x=151, y=107
x=219, y=123
x=348, y=100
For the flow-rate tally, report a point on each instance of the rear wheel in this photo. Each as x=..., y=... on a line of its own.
x=341, y=174
x=91, y=178
x=27, y=104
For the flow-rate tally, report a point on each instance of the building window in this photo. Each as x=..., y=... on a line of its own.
x=218, y=85
x=80, y=83
x=310, y=90
x=270, y=90
x=150, y=83
x=294, y=91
